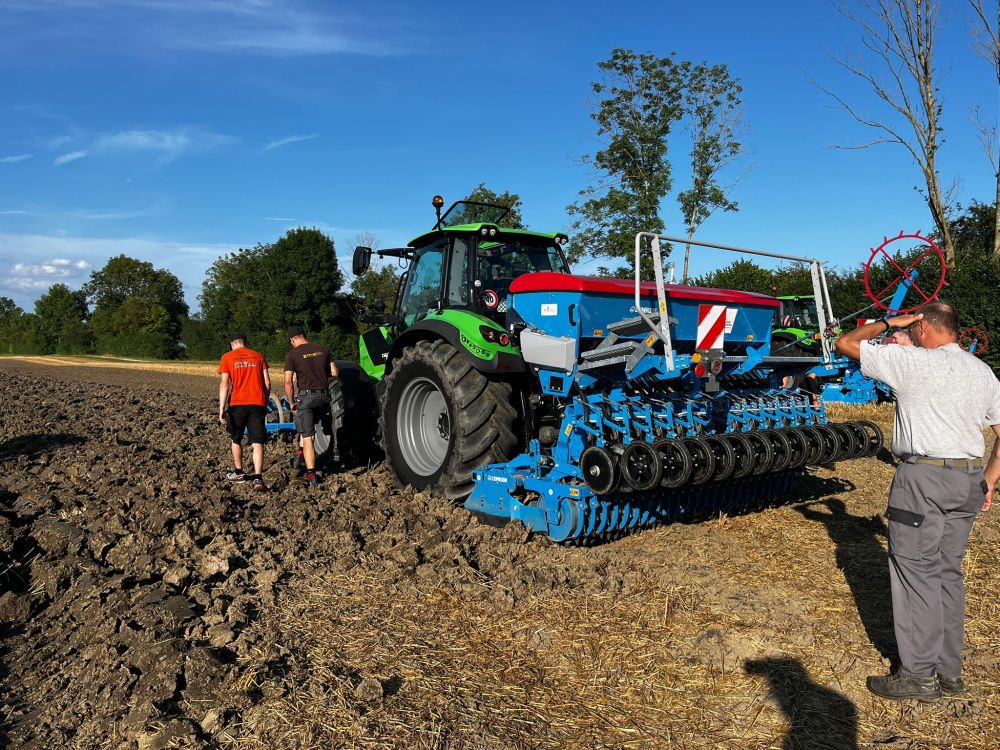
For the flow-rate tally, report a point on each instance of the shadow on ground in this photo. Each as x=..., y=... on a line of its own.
x=37, y=444
x=819, y=716
x=865, y=564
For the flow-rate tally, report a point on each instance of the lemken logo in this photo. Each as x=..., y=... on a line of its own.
x=498, y=480
x=647, y=310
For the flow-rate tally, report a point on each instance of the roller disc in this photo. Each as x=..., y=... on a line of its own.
x=725, y=457
x=849, y=447
x=702, y=458
x=642, y=467
x=860, y=437
x=815, y=441
x=800, y=448
x=782, y=449
x=875, y=436
x=600, y=470
x=743, y=451
x=762, y=450
x=831, y=443
x=676, y=462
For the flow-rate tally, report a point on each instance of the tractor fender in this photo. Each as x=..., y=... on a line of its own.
x=503, y=363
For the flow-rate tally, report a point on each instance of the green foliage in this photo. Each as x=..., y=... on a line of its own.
x=61, y=317
x=138, y=309
x=19, y=331
x=639, y=99
x=482, y=194
x=200, y=341
x=264, y=289
x=742, y=274
x=711, y=105
x=378, y=284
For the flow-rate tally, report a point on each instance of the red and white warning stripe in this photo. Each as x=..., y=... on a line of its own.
x=711, y=327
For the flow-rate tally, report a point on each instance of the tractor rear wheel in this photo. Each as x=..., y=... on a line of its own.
x=442, y=419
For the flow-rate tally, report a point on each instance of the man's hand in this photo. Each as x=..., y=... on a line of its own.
x=991, y=484
x=222, y=417
x=904, y=321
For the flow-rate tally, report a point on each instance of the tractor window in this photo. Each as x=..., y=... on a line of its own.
x=499, y=263
x=458, y=273
x=423, y=289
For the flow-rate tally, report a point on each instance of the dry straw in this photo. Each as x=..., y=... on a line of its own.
x=754, y=631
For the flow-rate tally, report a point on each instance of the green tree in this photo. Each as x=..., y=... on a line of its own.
x=377, y=284
x=741, y=274
x=483, y=194
x=200, y=341
x=123, y=278
x=712, y=110
x=639, y=99
x=264, y=289
x=61, y=316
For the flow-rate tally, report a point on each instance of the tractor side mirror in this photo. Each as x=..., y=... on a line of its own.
x=379, y=306
x=362, y=260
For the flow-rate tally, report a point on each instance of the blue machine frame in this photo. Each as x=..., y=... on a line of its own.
x=704, y=430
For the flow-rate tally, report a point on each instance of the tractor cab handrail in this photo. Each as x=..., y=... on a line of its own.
x=824, y=310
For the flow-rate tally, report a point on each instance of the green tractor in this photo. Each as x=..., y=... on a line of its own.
x=796, y=327
x=442, y=368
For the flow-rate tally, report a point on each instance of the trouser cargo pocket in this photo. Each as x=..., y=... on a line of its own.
x=905, y=534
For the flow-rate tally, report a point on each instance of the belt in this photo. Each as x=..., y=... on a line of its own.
x=320, y=390
x=947, y=463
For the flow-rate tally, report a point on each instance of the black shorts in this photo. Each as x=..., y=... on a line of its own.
x=247, y=418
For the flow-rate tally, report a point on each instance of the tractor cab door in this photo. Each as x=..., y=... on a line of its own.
x=424, y=280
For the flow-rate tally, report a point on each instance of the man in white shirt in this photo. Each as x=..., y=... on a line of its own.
x=944, y=398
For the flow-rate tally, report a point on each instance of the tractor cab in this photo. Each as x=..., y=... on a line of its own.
x=798, y=312
x=458, y=275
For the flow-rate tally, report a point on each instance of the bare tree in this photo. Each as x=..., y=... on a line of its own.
x=900, y=35
x=366, y=239
x=987, y=43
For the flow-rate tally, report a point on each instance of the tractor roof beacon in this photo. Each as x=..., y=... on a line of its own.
x=583, y=407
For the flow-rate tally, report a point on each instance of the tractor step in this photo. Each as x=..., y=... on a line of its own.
x=632, y=326
x=608, y=355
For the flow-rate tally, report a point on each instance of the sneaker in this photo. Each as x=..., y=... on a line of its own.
x=311, y=478
x=897, y=687
x=952, y=685
x=258, y=484
x=237, y=476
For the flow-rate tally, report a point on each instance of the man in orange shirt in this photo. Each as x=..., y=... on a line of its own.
x=244, y=386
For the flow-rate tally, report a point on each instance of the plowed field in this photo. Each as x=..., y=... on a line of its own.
x=145, y=603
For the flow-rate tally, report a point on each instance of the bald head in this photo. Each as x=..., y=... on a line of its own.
x=942, y=317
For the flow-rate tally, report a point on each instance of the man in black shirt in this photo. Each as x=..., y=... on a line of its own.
x=311, y=365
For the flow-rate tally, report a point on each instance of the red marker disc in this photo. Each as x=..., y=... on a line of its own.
x=930, y=264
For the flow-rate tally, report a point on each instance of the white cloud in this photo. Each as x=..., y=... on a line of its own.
x=15, y=158
x=13, y=213
x=270, y=27
x=30, y=263
x=67, y=158
x=57, y=267
x=287, y=140
x=278, y=218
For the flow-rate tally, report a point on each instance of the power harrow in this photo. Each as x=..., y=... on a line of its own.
x=656, y=402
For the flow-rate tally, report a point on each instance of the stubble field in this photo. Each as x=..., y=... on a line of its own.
x=146, y=604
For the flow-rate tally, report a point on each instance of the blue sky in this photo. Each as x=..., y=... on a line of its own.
x=178, y=130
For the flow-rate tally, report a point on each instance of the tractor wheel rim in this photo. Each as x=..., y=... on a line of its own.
x=423, y=426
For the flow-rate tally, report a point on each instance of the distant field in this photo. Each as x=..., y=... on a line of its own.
x=181, y=367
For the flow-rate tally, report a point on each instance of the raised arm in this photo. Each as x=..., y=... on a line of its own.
x=850, y=343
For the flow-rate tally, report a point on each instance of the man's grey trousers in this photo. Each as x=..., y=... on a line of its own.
x=931, y=512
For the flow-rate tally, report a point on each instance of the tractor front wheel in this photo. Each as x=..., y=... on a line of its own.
x=442, y=418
